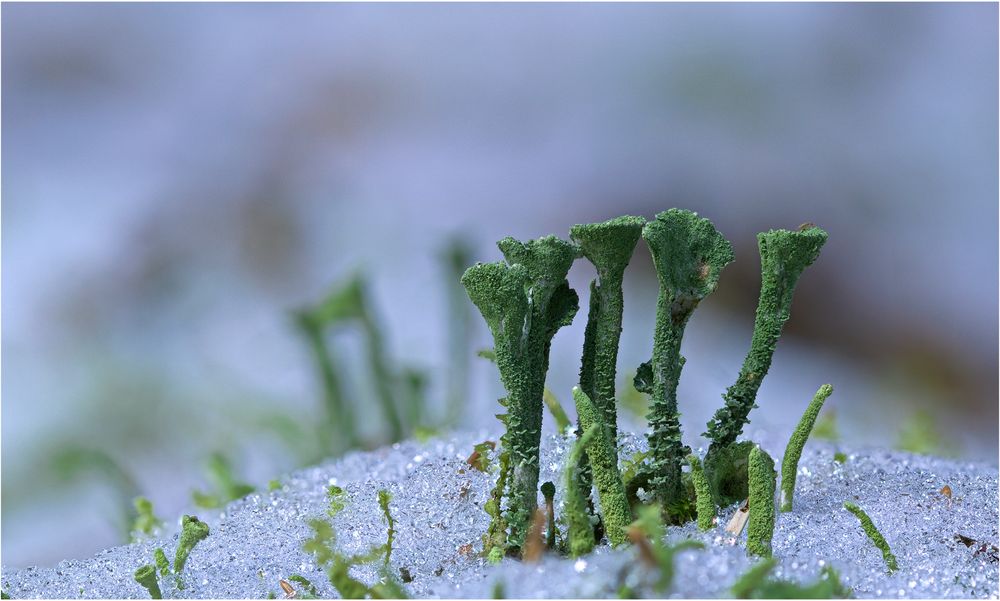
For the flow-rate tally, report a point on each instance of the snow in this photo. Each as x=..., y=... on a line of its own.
x=437, y=501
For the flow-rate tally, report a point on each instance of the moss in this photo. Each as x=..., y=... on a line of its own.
x=647, y=532
x=756, y=583
x=793, y=450
x=193, y=531
x=703, y=495
x=549, y=492
x=495, y=539
x=760, y=527
x=273, y=485
x=322, y=546
x=305, y=584
x=524, y=302
x=876, y=537
x=840, y=457
x=146, y=576
x=784, y=255
x=603, y=459
x=727, y=473
x=337, y=498
x=161, y=561
x=383, y=502
x=689, y=255
x=579, y=529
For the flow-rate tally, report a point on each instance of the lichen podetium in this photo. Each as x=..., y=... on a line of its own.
x=193, y=531
x=524, y=302
x=689, y=255
x=609, y=246
x=793, y=451
x=579, y=530
x=703, y=495
x=784, y=255
x=603, y=458
x=760, y=527
x=146, y=576
x=869, y=527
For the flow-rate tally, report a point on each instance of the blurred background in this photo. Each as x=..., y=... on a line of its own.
x=183, y=185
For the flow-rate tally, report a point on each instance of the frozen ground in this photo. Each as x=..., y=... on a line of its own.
x=437, y=502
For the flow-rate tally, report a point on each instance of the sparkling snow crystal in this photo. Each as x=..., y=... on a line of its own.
x=437, y=501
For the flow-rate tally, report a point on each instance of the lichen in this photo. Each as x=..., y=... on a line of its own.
x=876, y=537
x=161, y=561
x=609, y=247
x=727, y=473
x=146, y=576
x=793, y=451
x=524, y=302
x=579, y=529
x=784, y=255
x=703, y=495
x=760, y=527
x=603, y=459
x=689, y=255
x=193, y=531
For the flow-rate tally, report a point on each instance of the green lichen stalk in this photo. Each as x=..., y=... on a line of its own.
x=793, y=451
x=869, y=527
x=161, y=561
x=703, y=495
x=603, y=459
x=609, y=247
x=579, y=529
x=524, y=302
x=760, y=527
x=193, y=531
x=146, y=576
x=689, y=255
x=784, y=255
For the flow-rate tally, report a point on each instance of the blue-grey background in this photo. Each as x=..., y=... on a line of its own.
x=177, y=178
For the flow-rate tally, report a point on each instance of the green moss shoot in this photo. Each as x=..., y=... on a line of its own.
x=793, y=450
x=760, y=527
x=383, y=501
x=876, y=537
x=305, y=584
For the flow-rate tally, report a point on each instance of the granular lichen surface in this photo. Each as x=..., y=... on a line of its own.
x=437, y=503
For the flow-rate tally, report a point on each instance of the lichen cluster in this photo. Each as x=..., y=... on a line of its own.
x=526, y=299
